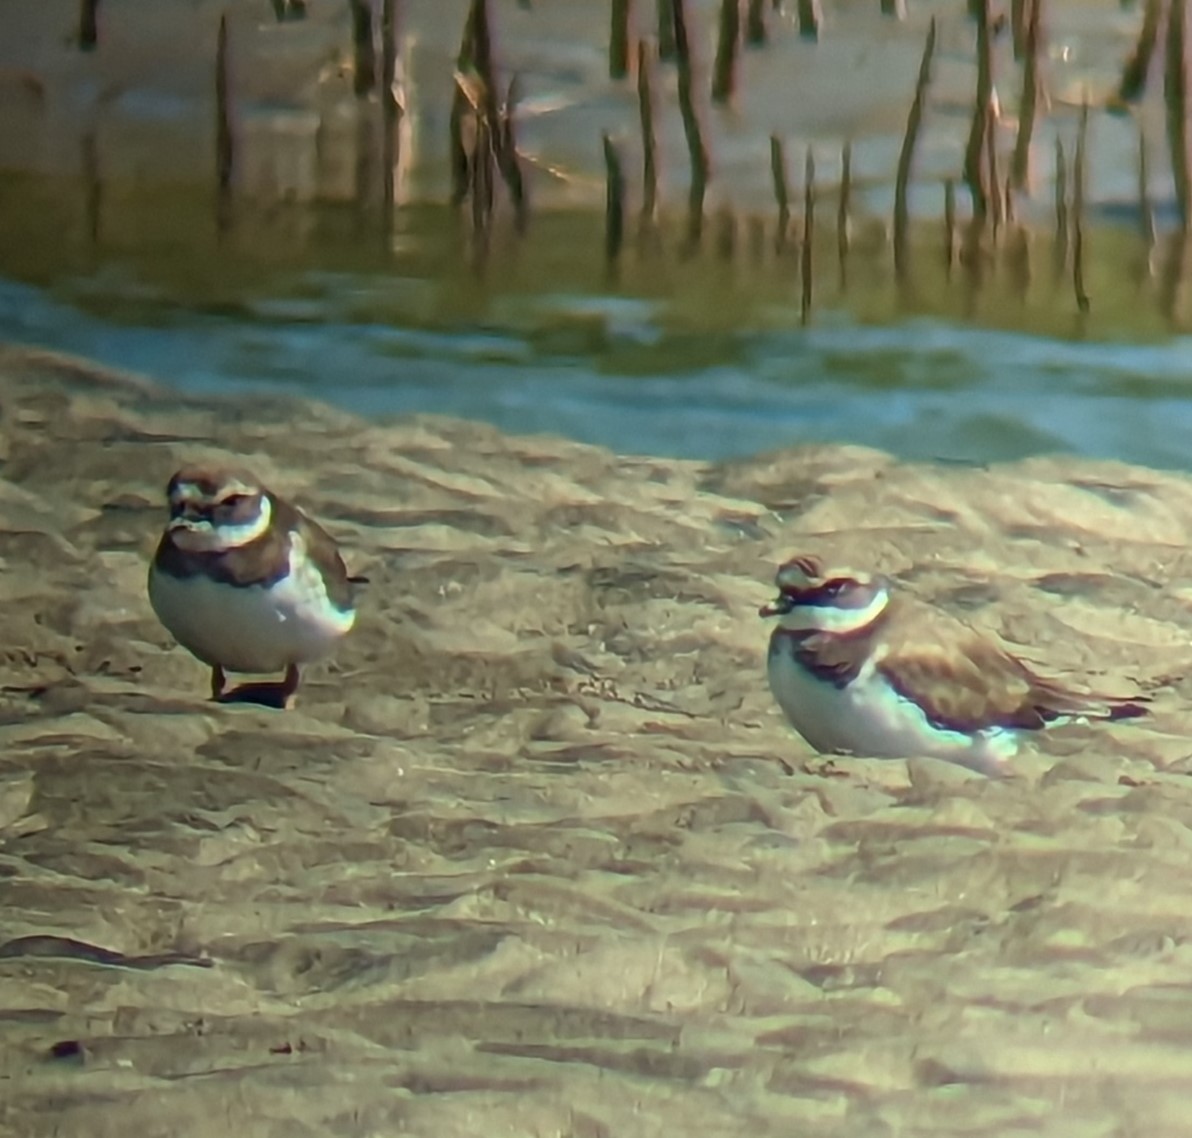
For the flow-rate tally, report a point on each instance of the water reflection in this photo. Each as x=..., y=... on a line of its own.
x=786, y=317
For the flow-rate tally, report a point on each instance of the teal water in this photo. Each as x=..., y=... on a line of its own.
x=924, y=388
x=692, y=355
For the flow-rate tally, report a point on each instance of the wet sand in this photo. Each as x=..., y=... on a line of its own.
x=536, y=854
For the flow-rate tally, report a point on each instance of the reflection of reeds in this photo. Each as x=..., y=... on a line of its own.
x=88, y=24
x=482, y=54
x=1175, y=98
x=996, y=197
x=493, y=144
x=389, y=57
x=1171, y=278
x=365, y=160
x=805, y=261
x=1146, y=215
x=1019, y=17
x=1138, y=66
x=618, y=40
x=810, y=18
x=691, y=125
x=781, y=193
x=645, y=103
x=475, y=95
x=725, y=236
x=1079, y=172
x=487, y=152
x=481, y=167
x=614, y=202
x=224, y=144
x=949, y=223
x=755, y=235
x=976, y=173
x=724, y=70
x=390, y=108
x=755, y=23
x=507, y=157
x=458, y=147
x=895, y=8
x=1018, y=259
x=1020, y=168
x=844, y=205
x=1060, y=255
x=666, y=29
x=479, y=156
x=363, y=50
x=906, y=156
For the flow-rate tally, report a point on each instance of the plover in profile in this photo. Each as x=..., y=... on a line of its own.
x=859, y=670
x=247, y=582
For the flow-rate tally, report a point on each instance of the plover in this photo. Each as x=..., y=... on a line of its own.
x=860, y=670
x=247, y=582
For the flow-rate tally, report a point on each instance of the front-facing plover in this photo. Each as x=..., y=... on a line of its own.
x=245, y=581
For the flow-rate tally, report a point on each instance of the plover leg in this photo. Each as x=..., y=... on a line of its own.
x=218, y=680
x=289, y=687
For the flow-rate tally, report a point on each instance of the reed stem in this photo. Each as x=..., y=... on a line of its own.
x=724, y=69
x=755, y=23
x=781, y=192
x=1020, y=168
x=1062, y=223
x=692, y=130
x=618, y=40
x=1175, y=99
x=225, y=149
x=806, y=260
x=1079, y=172
x=88, y=24
x=1138, y=66
x=363, y=49
x=614, y=203
x=906, y=156
x=810, y=18
x=975, y=169
x=645, y=103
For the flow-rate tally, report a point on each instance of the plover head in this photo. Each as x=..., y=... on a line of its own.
x=815, y=598
x=213, y=510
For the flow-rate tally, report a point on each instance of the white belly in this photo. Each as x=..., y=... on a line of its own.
x=249, y=629
x=870, y=719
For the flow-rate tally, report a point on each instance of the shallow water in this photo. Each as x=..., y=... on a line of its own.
x=109, y=248
x=650, y=364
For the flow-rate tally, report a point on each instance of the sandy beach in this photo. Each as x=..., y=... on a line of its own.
x=536, y=854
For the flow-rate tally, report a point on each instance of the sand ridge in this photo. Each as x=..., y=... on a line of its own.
x=536, y=853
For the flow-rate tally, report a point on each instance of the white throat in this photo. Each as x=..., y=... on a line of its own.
x=828, y=618
x=198, y=535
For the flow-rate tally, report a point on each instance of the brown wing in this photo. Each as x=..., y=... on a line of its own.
x=966, y=682
x=322, y=550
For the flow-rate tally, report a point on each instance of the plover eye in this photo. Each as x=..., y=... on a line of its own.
x=232, y=501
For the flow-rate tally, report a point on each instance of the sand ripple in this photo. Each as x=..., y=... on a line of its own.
x=536, y=854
